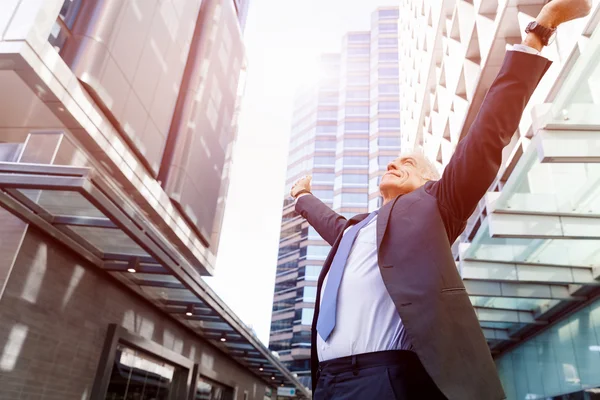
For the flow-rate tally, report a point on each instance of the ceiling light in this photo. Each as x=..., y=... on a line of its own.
x=189, y=310
x=273, y=377
x=223, y=338
x=260, y=367
x=132, y=270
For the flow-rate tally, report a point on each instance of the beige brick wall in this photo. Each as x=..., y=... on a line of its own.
x=54, y=316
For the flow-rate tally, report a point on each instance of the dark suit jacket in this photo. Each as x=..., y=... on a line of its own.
x=414, y=235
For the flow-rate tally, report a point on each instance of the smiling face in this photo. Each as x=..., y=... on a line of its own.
x=406, y=174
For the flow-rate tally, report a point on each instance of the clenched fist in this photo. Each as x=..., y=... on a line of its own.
x=302, y=184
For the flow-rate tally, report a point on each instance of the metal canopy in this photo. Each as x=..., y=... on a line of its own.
x=537, y=255
x=82, y=211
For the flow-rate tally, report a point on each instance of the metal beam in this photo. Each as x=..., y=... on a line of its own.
x=496, y=334
x=77, y=220
x=488, y=288
x=112, y=266
x=500, y=315
x=44, y=169
x=517, y=272
x=571, y=146
x=543, y=227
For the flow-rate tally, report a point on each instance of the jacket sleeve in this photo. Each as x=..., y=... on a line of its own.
x=326, y=222
x=478, y=156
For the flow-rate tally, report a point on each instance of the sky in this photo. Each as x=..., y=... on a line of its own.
x=283, y=40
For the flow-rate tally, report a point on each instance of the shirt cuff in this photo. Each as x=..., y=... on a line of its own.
x=303, y=194
x=525, y=49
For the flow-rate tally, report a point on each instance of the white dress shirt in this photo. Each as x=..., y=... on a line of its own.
x=366, y=317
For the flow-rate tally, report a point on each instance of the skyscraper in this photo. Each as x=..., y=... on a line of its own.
x=117, y=120
x=345, y=130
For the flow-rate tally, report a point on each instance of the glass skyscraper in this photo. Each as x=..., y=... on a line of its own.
x=345, y=130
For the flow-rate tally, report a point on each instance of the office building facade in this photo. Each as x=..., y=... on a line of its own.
x=529, y=255
x=345, y=131
x=117, y=121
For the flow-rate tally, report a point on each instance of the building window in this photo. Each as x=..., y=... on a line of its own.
x=356, y=126
x=388, y=28
x=355, y=179
x=358, y=66
x=385, y=160
x=324, y=161
x=327, y=114
x=322, y=177
x=312, y=272
x=64, y=23
x=325, y=144
x=388, y=57
x=388, y=106
x=359, y=51
x=317, y=252
x=383, y=141
x=134, y=367
x=350, y=161
x=307, y=316
x=388, y=123
x=388, y=42
x=357, y=111
x=389, y=14
x=310, y=294
x=357, y=94
x=326, y=128
x=355, y=198
x=325, y=195
x=356, y=143
x=389, y=89
x=207, y=389
x=359, y=37
x=389, y=72
x=358, y=79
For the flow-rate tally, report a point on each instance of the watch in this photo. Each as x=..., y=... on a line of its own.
x=546, y=35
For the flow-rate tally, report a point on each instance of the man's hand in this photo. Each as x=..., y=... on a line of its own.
x=555, y=13
x=300, y=185
x=558, y=12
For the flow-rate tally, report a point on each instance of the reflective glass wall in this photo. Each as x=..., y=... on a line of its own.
x=561, y=360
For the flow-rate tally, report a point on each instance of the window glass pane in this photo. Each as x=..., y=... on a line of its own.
x=393, y=88
x=327, y=114
x=355, y=198
x=139, y=375
x=355, y=160
x=388, y=106
x=359, y=50
x=312, y=234
x=358, y=66
x=391, y=14
x=358, y=79
x=210, y=390
x=359, y=37
x=323, y=177
x=354, y=143
x=387, y=42
x=357, y=126
x=385, y=160
x=326, y=128
x=311, y=272
x=325, y=144
x=317, y=252
x=388, y=141
x=389, y=72
x=388, y=56
x=355, y=179
x=307, y=316
x=323, y=160
x=323, y=194
x=388, y=28
x=357, y=110
x=310, y=294
x=357, y=94
x=389, y=122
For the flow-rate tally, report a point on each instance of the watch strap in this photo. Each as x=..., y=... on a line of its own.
x=302, y=192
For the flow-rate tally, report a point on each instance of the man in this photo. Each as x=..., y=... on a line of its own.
x=392, y=317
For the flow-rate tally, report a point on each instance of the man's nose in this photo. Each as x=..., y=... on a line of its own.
x=391, y=166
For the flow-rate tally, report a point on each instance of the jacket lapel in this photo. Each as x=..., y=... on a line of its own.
x=382, y=220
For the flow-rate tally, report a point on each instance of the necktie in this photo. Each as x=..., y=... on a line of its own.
x=326, y=319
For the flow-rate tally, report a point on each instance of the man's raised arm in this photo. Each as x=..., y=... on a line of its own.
x=478, y=156
x=326, y=222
